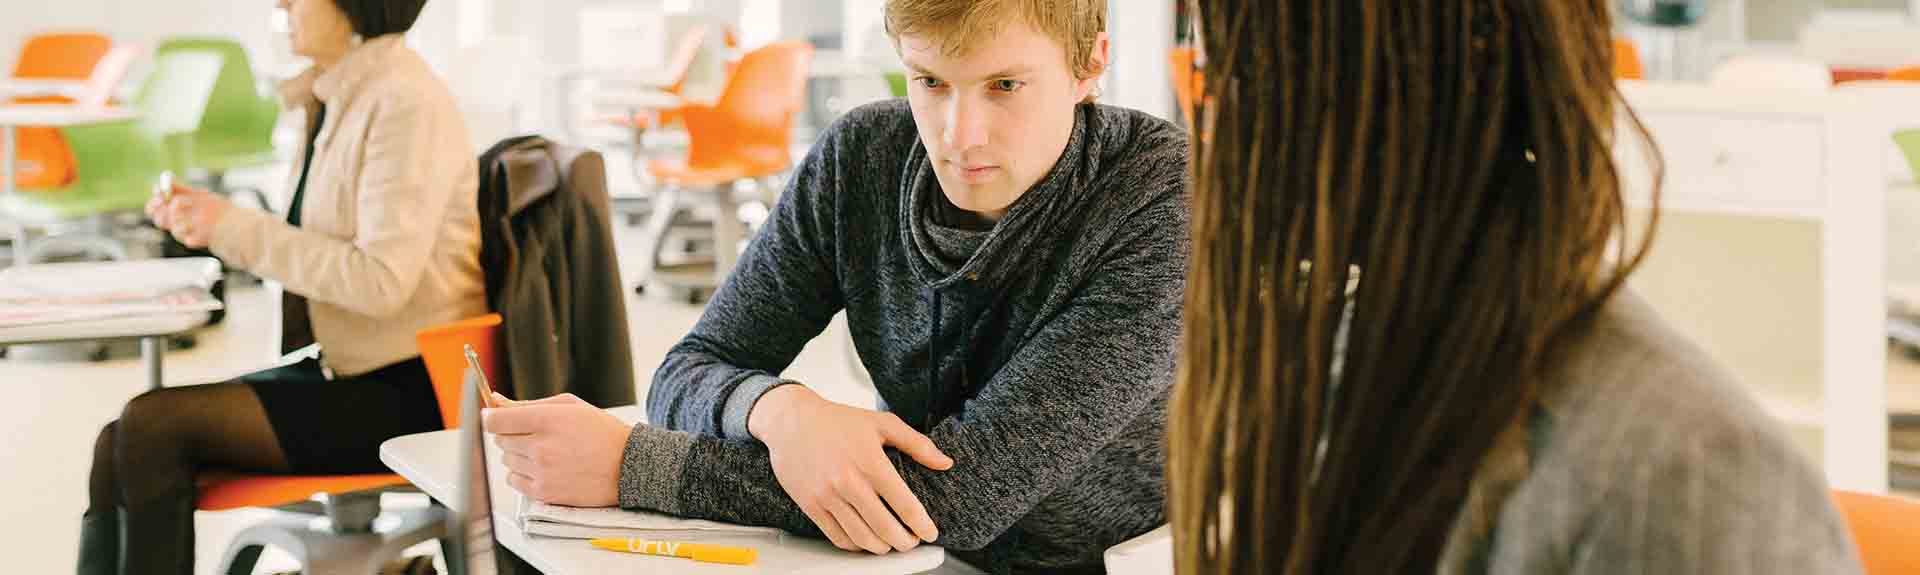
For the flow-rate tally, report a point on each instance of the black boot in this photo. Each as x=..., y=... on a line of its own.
x=100, y=543
x=156, y=537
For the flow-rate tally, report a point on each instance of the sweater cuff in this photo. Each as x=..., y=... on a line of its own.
x=650, y=469
x=733, y=416
x=237, y=236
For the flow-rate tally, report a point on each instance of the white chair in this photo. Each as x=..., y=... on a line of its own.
x=1772, y=73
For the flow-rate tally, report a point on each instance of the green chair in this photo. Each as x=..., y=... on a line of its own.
x=117, y=163
x=236, y=131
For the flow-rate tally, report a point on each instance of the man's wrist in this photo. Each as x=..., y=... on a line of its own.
x=769, y=414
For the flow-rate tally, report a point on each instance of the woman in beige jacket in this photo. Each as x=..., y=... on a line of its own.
x=381, y=239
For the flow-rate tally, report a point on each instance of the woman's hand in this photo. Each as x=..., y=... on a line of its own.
x=189, y=214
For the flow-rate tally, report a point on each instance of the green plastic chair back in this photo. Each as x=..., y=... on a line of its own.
x=236, y=128
x=1909, y=143
x=173, y=101
x=116, y=165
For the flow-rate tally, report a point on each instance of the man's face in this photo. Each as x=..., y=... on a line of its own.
x=995, y=119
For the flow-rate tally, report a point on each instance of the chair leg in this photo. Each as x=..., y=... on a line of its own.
x=666, y=201
x=726, y=233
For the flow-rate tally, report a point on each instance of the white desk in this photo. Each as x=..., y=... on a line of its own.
x=431, y=462
x=15, y=115
x=32, y=87
x=151, y=329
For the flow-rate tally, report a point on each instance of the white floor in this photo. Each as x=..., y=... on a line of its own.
x=53, y=409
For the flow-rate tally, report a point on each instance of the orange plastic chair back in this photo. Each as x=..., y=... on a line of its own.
x=44, y=161
x=68, y=56
x=1626, y=60
x=1904, y=74
x=443, y=350
x=1886, y=529
x=750, y=127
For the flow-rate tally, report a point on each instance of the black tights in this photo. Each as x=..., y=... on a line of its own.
x=144, y=467
x=166, y=436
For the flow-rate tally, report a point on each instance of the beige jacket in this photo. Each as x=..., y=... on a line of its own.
x=389, y=241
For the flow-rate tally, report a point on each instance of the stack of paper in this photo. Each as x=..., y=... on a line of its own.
x=53, y=293
x=550, y=520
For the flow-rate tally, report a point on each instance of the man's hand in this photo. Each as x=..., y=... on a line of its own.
x=831, y=459
x=189, y=214
x=561, y=449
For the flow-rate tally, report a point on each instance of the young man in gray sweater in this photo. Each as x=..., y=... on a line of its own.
x=1011, y=260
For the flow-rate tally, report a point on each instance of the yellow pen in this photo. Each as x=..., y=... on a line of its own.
x=702, y=552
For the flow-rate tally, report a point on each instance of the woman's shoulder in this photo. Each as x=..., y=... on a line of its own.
x=1649, y=453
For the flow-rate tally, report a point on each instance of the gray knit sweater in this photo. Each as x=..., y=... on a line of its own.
x=1646, y=457
x=1042, y=363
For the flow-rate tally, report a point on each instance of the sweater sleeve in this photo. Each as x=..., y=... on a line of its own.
x=1087, y=373
x=781, y=294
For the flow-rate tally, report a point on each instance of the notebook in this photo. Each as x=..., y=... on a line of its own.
x=549, y=520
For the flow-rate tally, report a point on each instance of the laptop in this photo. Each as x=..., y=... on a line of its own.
x=471, y=548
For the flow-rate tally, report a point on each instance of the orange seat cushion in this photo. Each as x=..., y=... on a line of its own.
x=222, y=491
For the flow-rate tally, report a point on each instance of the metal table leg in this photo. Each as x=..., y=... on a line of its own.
x=150, y=352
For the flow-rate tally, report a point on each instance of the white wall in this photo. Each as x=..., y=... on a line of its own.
x=1141, y=33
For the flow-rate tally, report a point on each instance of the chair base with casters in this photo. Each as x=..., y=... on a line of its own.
x=345, y=533
x=679, y=264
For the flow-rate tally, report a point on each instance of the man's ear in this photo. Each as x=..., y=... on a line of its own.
x=1098, y=59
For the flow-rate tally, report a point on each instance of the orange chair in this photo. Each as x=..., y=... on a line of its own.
x=61, y=56
x=745, y=136
x=1626, y=60
x=1904, y=74
x=44, y=161
x=351, y=502
x=1886, y=530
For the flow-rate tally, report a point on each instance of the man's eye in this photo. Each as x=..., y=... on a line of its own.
x=1008, y=85
x=930, y=82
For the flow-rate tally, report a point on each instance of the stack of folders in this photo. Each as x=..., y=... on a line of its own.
x=560, y=521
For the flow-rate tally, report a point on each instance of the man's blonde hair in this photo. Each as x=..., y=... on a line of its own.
x=957, y=24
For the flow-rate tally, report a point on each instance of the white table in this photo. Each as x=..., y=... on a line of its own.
x=151, y=329
x=36, y=87
x=431, y=462
x=15, y=115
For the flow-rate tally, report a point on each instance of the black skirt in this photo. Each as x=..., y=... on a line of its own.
x=336, y=426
